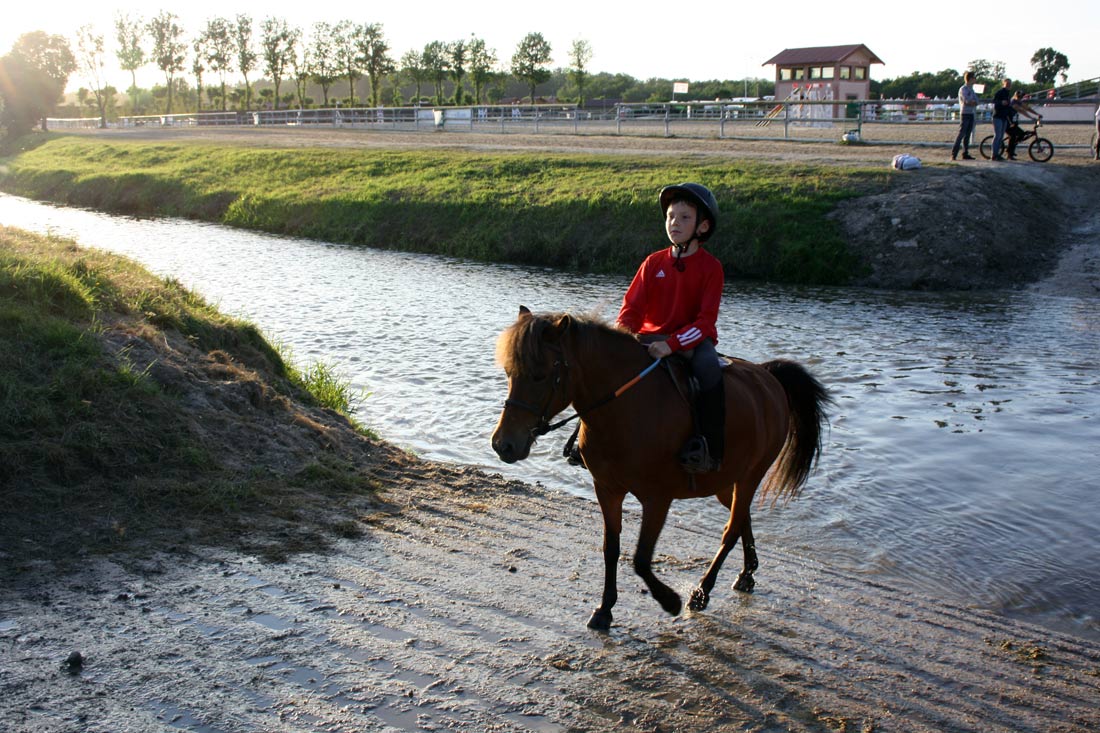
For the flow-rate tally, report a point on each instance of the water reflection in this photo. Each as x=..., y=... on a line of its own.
x=961, y=455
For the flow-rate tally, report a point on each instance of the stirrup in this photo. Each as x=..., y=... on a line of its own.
x=695, y=457
x=573, y=457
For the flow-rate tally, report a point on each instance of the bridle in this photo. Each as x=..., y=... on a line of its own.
x=561, y=375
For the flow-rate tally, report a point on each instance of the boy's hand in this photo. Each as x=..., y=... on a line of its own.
x=659, y=350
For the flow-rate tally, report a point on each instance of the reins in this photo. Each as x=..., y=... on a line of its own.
x=545, y=426
x=600, y=403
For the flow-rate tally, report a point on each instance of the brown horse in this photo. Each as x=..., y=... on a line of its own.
x=629, y=439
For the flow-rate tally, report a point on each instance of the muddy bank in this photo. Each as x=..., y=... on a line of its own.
x=976, y=227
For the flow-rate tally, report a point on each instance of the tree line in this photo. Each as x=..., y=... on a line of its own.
x=316, y=66
x=35, y=72
x=1048, y=64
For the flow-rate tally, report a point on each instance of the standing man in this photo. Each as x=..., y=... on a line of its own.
x=1002, y=117
x=1097, y=115
x=968, y=103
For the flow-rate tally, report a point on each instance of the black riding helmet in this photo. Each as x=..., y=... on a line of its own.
x=697, y=194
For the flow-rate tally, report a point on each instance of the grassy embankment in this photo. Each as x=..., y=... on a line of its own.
x=129, y=407
x=586, y=212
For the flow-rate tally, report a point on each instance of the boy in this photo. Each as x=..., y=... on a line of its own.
x=672, y=306
x=1019, y=107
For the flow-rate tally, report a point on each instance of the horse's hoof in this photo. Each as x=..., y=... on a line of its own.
x=745, y=583
x=672, y=605
x=699, y=600
x=600, y=621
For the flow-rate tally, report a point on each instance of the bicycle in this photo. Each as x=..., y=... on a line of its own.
x=1040, y=149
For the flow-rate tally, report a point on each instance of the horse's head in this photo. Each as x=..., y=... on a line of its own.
x=532, y=353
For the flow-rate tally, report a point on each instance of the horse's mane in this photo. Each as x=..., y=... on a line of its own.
x=519, y=346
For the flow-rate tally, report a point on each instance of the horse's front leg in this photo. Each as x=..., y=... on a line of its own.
x=611, y=506
x=654, y=513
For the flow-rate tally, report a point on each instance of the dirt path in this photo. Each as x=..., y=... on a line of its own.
x=464, y=608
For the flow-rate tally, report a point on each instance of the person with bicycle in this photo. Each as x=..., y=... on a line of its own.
x=1002, y=117
x=1015, y=134
x=968, y=103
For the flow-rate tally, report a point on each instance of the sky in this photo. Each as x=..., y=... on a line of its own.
x=643, y=38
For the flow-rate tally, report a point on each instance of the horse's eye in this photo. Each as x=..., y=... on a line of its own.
x=538, y=378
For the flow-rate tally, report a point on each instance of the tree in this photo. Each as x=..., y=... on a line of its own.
x=169, y=50
x=279, y=43
x=300, y=69
x=482, y=61
x=32, y=77
x=197, y=69
x=435, y=65
x=246, y=55
x=374, y=57
x=1048, y=65
x=218, y=44
x=90, y=59
x=456, y=62
x=346, y=43
x=413, y=67
x=986, y=71
x=530, y=60
x=130, y=54
x=321, y=57
x=579, y=56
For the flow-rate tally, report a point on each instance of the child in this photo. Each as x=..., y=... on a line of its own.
x=1019, y=107
x=672, y=306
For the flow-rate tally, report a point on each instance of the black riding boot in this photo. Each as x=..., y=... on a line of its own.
x=703, y=453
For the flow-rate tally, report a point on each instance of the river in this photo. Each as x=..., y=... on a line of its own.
x=962, y=457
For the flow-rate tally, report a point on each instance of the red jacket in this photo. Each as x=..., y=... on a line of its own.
x=681, y=305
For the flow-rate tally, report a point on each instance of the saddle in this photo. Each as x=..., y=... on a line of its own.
x=695, y=455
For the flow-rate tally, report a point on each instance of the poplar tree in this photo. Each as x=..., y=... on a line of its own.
x=246, y=55
x=169, y=50
x=279, y=43
x=529, y=62
x=130, y=54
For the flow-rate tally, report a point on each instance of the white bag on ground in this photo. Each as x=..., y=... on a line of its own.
x=906, y=162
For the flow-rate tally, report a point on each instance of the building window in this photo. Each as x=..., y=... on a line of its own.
x=827, y=72
x=785, y=74
x=860, y=72
x=845, y=72
x=815, y=72
x=799, y=74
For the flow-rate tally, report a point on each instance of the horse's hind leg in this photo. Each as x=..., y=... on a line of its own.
x=737, y=525
x=654, y=513
x=745, y=582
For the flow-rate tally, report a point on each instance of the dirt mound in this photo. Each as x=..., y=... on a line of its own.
x=964, y=228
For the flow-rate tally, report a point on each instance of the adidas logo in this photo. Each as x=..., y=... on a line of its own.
x=660, y=273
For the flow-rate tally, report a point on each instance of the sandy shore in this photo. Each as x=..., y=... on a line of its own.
x=463, y=607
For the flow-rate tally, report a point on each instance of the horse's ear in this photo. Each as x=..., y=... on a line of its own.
x=523, y=311
x=560, y=327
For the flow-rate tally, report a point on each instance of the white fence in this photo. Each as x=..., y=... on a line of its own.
x=878, y=121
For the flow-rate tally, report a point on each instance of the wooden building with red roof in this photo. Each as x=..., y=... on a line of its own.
x=833, y=72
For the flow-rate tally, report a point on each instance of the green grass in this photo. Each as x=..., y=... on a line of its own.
x=93, y=449
x=584, y=212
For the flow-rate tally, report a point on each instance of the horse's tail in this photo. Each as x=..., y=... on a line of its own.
x=807, y=400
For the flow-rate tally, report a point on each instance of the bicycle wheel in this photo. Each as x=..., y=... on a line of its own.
x=1041, y=150
x=987, y=147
